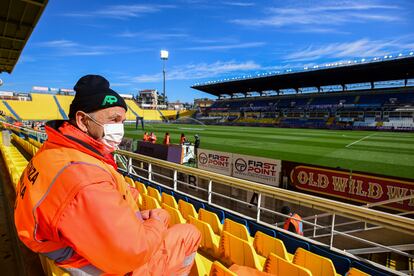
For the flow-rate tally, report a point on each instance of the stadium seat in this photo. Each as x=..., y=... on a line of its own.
x=237, y=219
x=254, y=227
x=217, y=269
x=201, y=266
x=175, y=215
x=217, y=211
x=49, y=267
x=196, y=203
x=317, y=265
x=187, y=209
x=292, y=243
x=265, y=244
x=212, y=219
x=367, y=268
x=237, y=229
x=237, y=251
x=149, y=203
x=341, y=263
x=141, y=187
x=209, y=241
x=130, y=181
x=154, y=193
x=169, y=200
x=278, y=266
x=180, y=196
x=356, y=272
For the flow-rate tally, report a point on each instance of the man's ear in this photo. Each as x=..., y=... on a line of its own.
x=81, y=121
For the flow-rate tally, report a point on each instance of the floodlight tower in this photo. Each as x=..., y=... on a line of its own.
x=164, y=57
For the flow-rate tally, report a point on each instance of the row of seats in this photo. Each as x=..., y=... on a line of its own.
x=15, y=162
x=28, y=146
x=231, y=242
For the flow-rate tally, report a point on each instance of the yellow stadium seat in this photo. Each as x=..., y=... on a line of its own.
x=278, y=266
x=209, y=241
x=217, y=269
x=318, y=265
x=169, y=200
x=141, y=187
x=50, y=268
x=175, y=215
x=149, y=203
x=265, y=244
x=237, y=229
x=234, y=250
x=356, y=272
x=130, y=181
x=201, y=266
x=187, y=209
x=212, y=219
x=154, y=193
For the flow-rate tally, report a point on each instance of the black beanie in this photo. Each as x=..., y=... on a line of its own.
x=93, y=93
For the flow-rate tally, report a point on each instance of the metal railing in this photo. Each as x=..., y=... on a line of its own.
x=166, y=175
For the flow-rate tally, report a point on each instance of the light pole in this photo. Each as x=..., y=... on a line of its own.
x=164, y=57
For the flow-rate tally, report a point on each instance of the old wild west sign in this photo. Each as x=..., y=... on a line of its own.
x=357, y=187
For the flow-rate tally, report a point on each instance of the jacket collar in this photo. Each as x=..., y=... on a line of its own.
x=64, y=134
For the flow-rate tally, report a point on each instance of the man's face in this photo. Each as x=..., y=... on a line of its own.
x=111, y=115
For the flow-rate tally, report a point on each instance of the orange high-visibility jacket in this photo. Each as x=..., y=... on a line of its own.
x=166, y=140
x=73, y=207
x=296, y=221
x=146, y=138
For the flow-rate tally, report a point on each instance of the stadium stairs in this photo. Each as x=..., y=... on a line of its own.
x=228, y=238
x=11, y=110
x=62, y=112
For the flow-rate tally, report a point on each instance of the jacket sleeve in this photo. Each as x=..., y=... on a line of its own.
x=100, y=226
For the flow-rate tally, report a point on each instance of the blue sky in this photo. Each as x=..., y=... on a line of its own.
x=207, y=40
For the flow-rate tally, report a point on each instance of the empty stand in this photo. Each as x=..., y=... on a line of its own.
x=279, y=266
x=316, y=264
x=236, y=229
x=212, y=219
x=169, y=200
x=187, y=209
x=265, y=245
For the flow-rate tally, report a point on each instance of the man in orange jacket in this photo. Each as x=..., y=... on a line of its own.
x=166, y=139
x=74, y=207
x=294, y=222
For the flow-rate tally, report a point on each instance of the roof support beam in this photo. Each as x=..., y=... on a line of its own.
x=15, y=23
x=11, y=38
x=10, y=50
x=34, y=3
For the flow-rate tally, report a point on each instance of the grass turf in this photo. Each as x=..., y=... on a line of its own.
x=387, y=153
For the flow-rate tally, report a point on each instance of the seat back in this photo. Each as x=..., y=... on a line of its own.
x=196, y=203
x=209, y=241
x=130, y=181
x=292, y=243
x=356, y=272
x=149, y=203
x=217, y=211
x=141, y=187
x=237, y=251
x=212, y=219
x=187, y=209
x=237, y=229
x=217, y=269
x=278, y=266
x=154, y=193
x=169, y=200
x=175, y=215
x=265, y=245
x=317, y=265
x=254, y=227
x=237, y=219
x=341, y=263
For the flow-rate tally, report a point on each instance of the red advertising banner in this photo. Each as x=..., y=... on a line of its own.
x=356, y=187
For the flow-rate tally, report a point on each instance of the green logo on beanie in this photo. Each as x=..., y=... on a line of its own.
x=110, y=100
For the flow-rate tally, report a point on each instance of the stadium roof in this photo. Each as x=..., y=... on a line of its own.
x=385, y=70
x=18, y=18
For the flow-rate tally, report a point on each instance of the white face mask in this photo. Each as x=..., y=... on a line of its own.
x=113, y=134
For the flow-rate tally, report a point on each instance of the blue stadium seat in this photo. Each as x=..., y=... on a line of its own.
x=180, y=196
x=292, y=243
x=217, y=211
x=237, y=219
x=197, y=204
x=254, y=227
x=341, y=263
x=367, y=268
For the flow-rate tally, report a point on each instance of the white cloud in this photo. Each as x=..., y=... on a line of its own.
x=149, y=35
x=65, y=47
x=354, y=49
x=239, y=4
x=122, y=11
x=319, y=14
x=200, y=71
x=226, y=47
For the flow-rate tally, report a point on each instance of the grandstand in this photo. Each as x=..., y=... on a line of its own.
x=359, y=98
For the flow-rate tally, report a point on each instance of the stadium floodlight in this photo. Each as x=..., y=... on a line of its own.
x=385, y=56
x=400, y=54
x=363, y=60
x=164, y=56
x=411, y=53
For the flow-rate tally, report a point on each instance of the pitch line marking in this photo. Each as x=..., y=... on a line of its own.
x=357, y=141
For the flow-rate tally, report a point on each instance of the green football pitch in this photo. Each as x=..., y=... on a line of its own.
x=387, y=153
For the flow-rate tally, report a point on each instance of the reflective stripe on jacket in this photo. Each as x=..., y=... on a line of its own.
x=296, y=221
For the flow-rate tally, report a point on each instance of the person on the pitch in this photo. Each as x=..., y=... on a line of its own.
x=153, y=138
x=146, y=137
x=182, y=139
x=166, y=139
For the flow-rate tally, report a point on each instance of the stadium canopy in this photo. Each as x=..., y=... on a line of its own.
x=18, y=18
x=370, y=72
